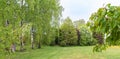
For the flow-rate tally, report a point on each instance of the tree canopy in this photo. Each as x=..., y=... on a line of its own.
x=22, y=21
x=105, y=25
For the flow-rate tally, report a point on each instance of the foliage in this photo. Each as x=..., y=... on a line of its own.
x=86, y=37
x=106, y=23
x=18, y=17
x=68, y=34
x=79, y=23
x=84, y=33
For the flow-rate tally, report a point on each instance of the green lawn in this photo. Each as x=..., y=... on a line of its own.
x=77, y=52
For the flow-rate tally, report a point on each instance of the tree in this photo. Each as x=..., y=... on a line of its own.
x=105, y=25
x=77, y=25
x=84, y=34
x=18, y=17
x=68, y=33
x=44, y=13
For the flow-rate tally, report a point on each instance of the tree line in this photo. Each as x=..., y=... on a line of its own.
x=25, y=22
x=36, y=23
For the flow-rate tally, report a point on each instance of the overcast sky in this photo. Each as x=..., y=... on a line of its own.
x=82, y=9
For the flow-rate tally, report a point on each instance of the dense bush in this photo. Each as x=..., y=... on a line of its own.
x=86, y=37
x=84, y=34
x=68, y=34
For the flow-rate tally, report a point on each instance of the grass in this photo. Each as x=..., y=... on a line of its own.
x=77, y=52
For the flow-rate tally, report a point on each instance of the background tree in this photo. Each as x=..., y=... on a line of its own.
x=84, y=34
x=77, y=25
x=68, y=34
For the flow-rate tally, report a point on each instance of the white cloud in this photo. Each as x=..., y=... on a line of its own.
x=77, y=9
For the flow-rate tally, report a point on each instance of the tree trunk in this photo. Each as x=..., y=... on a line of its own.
x=21, y=43
x=32, y=38
x=78, y=35
x=39, y=45
x=13, y=47
x=7, y=49
x=21, y=39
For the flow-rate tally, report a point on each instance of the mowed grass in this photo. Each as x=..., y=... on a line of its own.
x=77, y=52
